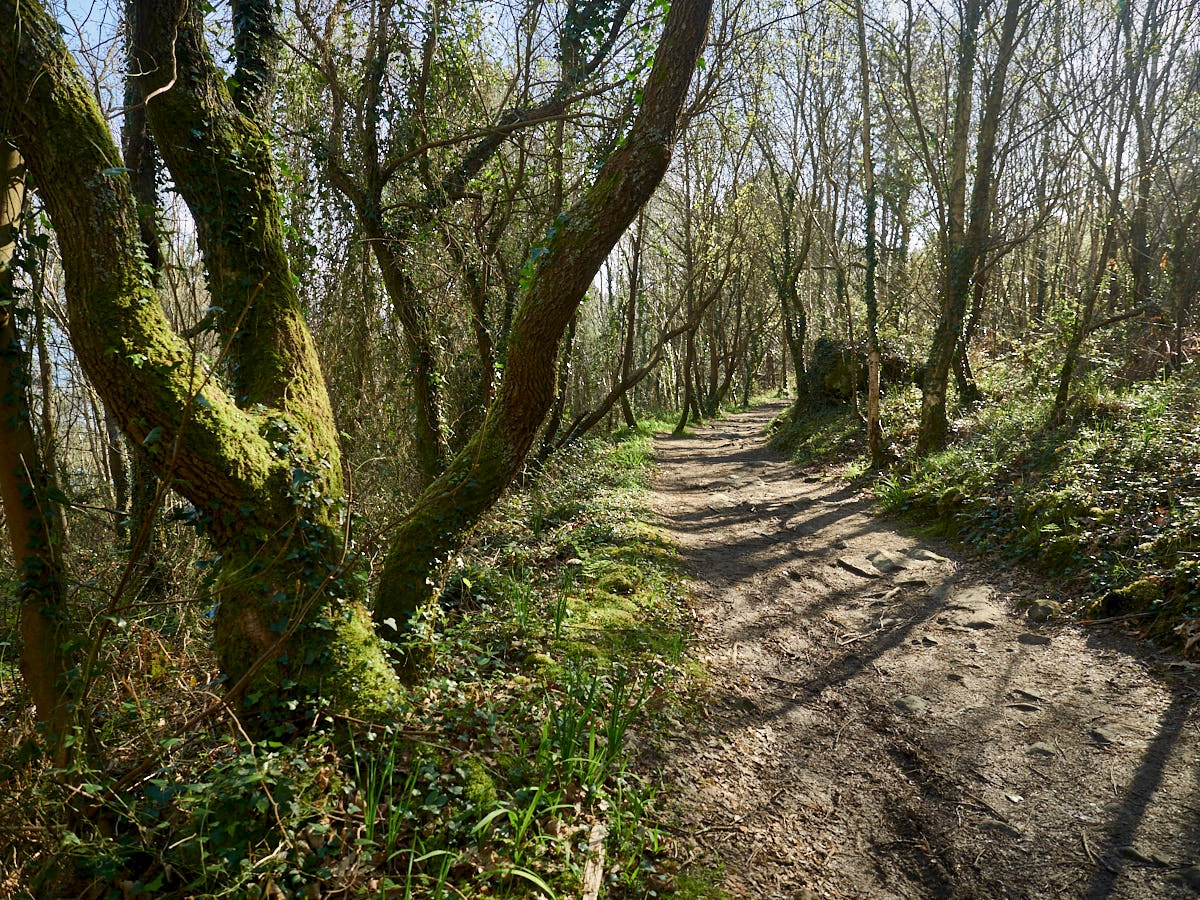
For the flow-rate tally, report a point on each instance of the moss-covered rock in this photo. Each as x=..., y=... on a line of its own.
x=1140, y=594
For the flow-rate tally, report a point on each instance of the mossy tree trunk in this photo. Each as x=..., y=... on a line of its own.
x=966, y=226
x=874, y=423
x=261, y=466
x=559, y=276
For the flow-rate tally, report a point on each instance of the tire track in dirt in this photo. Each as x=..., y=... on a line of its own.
x=884, y=720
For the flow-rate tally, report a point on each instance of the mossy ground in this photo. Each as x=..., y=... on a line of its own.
x=1102, y=496
x=559, y=628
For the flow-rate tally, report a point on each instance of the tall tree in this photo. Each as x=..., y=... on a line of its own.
x=260, y=464
x=964, y=226
x=559, y=274
x=31, y=504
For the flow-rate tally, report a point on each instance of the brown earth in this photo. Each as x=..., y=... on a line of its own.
x=883, y=718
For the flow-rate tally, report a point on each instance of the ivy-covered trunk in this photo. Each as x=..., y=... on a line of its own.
x=560, y=273
x=261, y=465
x=30, y=507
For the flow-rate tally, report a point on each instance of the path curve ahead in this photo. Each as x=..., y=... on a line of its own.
x=884, y=720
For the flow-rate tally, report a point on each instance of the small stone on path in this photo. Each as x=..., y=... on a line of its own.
x=1044, y=610
x=981, y=617
x=920, y=553
x=912, y=704
x=1041, y=748
x=1034, y=640
x=970, y=608
x=886, y=562
x=858, y=566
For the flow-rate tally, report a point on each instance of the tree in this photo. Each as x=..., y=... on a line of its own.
x=260, y=462
x=558, y=275
x=874, y=427
x=29, y=496
x=965, y=227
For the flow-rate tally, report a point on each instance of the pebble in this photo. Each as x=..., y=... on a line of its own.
x=1044, y=610
x=1106, y=734
x=886, y=562
x=1041, y=748
x=912, y=704
x=1034, y=640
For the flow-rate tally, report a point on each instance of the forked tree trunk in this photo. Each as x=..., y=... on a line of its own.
x=263, y=469
x=581, y=240
x=965, y=234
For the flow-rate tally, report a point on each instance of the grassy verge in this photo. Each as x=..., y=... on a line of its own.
x=561, y=629
x=1104, y=497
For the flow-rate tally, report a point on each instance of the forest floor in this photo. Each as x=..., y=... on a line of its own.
x=884, y=718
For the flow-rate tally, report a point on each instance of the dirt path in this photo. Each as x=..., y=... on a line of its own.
x=884, y=719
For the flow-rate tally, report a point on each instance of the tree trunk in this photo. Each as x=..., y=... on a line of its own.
x=964, y=241
x=263, y=470
x=689, y=360
x=631, y=318
x=874, y=425
x=30, y=505
x=429, y=441
x=559, y=278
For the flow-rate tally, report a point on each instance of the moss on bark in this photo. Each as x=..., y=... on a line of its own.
x=265, y=478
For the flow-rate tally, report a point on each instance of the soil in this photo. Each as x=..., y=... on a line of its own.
x=885, y=718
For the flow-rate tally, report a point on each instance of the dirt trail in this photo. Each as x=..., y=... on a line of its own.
x=885, y=720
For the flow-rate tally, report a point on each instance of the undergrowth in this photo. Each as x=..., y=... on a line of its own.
x=560, y=630
x=1104, y=496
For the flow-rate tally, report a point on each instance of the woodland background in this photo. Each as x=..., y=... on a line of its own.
x=377, y=230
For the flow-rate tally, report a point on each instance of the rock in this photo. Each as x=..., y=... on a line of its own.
x=981, y=617
x=858, y=566
x=1041, y=748
x=1044, y=610
x=969, y=608
x=920, y=553
x=1034, y=640
x=967, y=598
x=886, y=562
x=911, y=704
x=1106, y=734
x=910, y=579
